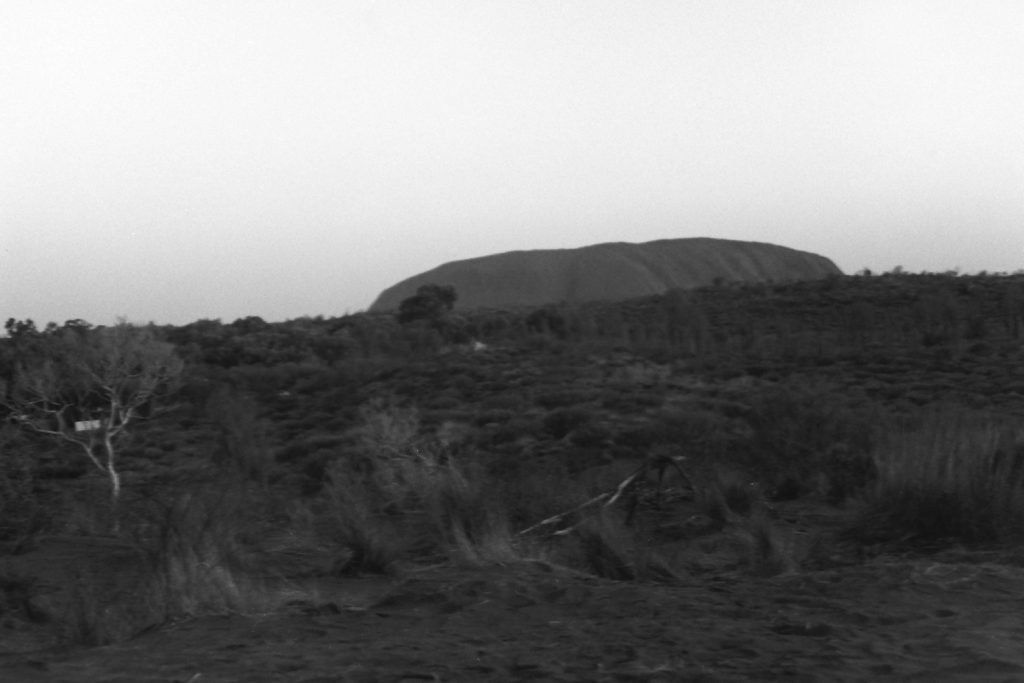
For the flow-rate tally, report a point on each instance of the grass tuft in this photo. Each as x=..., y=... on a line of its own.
x=357, y=523
x=407, y=494
x=768, y=551
x=198, y=561
x=605, y=548
x=463, y=514
x=955, y=476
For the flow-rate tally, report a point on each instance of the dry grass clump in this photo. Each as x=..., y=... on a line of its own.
x=724, y=493
x=197, y=556
x=604, y=547
x=24, y=514
x=768, y=550
x=408, y=494
x=729, y=498
x=530, y=489
x=809, y=435
x=95, y=613
x=465, y=516
x=955, y=475
x=356, y=521
x=183, y=555
x=601, y=544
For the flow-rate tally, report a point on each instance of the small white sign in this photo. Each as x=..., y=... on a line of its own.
x=87, y=425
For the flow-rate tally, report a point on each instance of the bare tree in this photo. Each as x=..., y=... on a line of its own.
x=84, y=386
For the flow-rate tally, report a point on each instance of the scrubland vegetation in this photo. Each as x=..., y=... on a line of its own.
x=817, y=423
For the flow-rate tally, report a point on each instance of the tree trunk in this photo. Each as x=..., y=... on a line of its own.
x=115, y=481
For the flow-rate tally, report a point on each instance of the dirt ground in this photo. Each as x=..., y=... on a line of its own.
x=949, y=616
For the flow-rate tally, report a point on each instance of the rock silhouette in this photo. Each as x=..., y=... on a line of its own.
x=609, y=272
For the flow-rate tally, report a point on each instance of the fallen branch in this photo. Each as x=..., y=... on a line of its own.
x=609, y=497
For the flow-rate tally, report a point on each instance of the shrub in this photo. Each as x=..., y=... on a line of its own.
x=804, y=430
x=699, y=433
x=96, y=613
x=956, y=475
x=407, y=492
x=562, y=398
x=244, y=440
x=467, y=520
x=559, y=422
x=356, y=522
x=299, y=450
x=16, y=591
x=515, y=429
x=767, y=551
x=629, y=401
x=188, y=557
x=725, y=492
x=602, y=545
x=846, y=472
x=195, y=544
x=23, y=512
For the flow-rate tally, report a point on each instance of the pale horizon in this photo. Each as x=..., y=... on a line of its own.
x=171, y=162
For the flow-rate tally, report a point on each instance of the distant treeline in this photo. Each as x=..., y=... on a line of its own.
x=804, y=321
x=813, y=318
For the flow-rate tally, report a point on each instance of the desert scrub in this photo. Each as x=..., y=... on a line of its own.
x=300, y=449
x=804, y=429
x=466, y=518
x=532, y=489
x=561, y=421
x=357, y=521
x=24, y=513
x=198, y=545
x=955, y=475
x=407, y=493
x=182, y=553
x=723, y=494
x=766, y=549
x=602, y=545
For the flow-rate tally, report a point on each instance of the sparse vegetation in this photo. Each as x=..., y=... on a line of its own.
x=84, y=386
x=768, y=550
x=952, y=474
x=369, y=445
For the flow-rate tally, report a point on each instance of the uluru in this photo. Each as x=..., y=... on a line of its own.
x=609, y=272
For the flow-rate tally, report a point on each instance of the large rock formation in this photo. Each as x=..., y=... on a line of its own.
x=609, y=272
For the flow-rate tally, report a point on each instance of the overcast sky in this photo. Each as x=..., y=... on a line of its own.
x=184, y=159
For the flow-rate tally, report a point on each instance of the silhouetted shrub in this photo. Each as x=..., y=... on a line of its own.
x=429, y=303
x=298, y=451
x=632, y=402
x=590, y=434
x=802, y=430
x=25, y=511
x=356, y=522
x=560, y=422
x=562, y=398
x=514, y=429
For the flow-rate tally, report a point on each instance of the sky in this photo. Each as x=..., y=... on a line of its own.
x=174, y=160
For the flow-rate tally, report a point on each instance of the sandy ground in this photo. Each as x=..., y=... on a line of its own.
x=952, y=616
